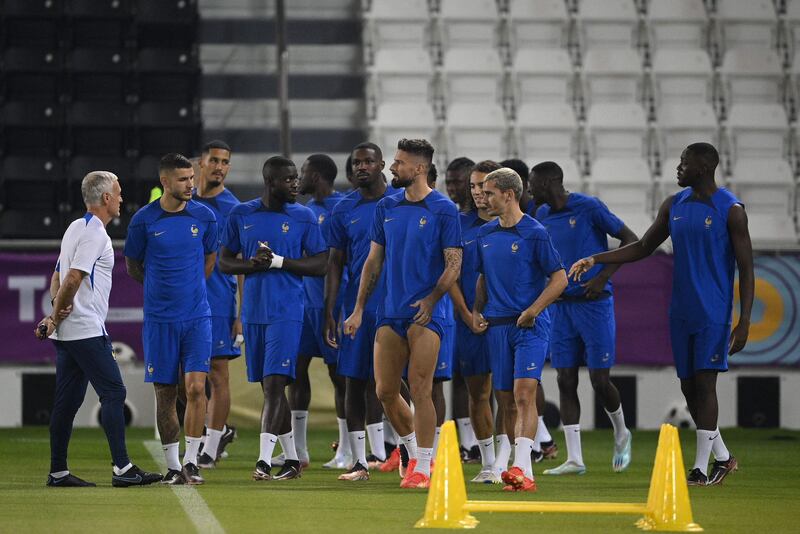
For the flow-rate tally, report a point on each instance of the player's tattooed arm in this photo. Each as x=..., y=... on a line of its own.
x=452, y=270
x=135, y=269
x=743, y=252
x=166, y=416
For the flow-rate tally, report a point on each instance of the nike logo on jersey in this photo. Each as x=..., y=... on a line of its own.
x=486, y=245
x=156, y=234
x=468, y=242
x=389, y=220
x=676, y=218
x=248, y=226
x=353, y=221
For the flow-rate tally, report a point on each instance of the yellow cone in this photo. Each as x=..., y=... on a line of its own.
x=155, y=194
x=668, y=503
x=448, y=493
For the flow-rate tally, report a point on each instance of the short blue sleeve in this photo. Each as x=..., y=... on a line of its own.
x=136, y=240
x=313, y=242
x=230, y=236
x=605, y=220
x=211, y=238
x=337, y=237
x=377, y=234
x=545, y=254
x=450, y=235
x=479, y=265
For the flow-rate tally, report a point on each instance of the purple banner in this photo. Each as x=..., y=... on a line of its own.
x=25, y=299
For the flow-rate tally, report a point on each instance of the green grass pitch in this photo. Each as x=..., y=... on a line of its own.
x=762, y=496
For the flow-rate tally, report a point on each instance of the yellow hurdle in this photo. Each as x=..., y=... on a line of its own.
x=667, y=507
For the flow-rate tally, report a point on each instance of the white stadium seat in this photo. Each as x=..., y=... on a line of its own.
x=752, y=75
x=479, y=131
x=680, y=125
x=758, y=130
x=394, y=121
x=608, y=24
x=617, y=130
x=677, y=24
x=547, y=132
x=538, y=24
x=468, y=23
x=766, y=188
x=402, y=76
x=473, y=75
x=626, y=187
x=543, y=75
x=681, y=76
x=747, y=23
x=613, y=75
x=392, y=24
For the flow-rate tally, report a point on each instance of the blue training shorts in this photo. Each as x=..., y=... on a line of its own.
x=583, y=333
x=221, y=339
x=698, y=348
x=169, y=347
x=516, y=353
x=444, y=363
x=312, y=342
x=401, y=326
x=271, y=349
x=471, y=351
x=356, y=355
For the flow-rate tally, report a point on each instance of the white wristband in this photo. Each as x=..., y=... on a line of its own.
x=277, y=261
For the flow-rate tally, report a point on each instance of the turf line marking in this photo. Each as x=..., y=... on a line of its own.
x=191, y=501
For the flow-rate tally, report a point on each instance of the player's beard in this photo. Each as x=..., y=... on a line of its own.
x=213, y=183
x=399, y=182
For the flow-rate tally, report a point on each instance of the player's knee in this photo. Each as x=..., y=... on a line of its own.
x=385, y=393
x=420, y=391
x=195, y=390
x=600, y=381
x=567, y=381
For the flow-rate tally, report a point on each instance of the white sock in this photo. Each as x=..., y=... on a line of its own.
x=436, y=433
x=705, y=441
x=122, y=471
x=192, y=446
x=267, y=446
x=618, y=422
x=359, y=446
x=522, y=455
x=424, y=457
x=542, y=434
x=62, y=474
x=288, y=445
x=572, y=433
x=503, y=452
x=171, y=456
x=466, y=433
x=211, y=443
x=389, y=433
x=299, y=429
x=344, y=439
x=721, y=453
x=410, y=442
x=487, y=452
x=376, y=445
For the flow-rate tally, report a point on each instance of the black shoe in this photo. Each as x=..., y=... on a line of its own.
x=173, y=478
x=536, y=456
x=262, y=471
x=191, y=474
x=696, y=478
x=721, y=470
x=549, y=450
x=204, y=461
x=290, y=470
x=472, y=456
x=403, y=456
x=389, y=447
x=68, y=481
x=135, y=477
x=227, y=438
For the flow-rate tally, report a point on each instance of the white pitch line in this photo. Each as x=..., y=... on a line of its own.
x=191, y=501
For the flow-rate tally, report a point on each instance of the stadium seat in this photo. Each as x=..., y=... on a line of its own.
x=468, y=24
x=478, y=130
x=40, y=169
x=617, y=130
x=679, y=125
x=99, y=128
x=100, y=32
x=682, y=76
x=626, y=187
x=747, y=24
x=26, y=8
x=472, y=75
x=106, y=9
x=395, y=120
x=31, y=74
x=30, y=224
x=98, y=60
x=677, y=24
x=402, y=76
x=171, y=11
x=542, y=75
x=768, y=229
x=32, y=32
x=752, y=75
x=538, y=24
x=608, y=24
x=612, y=75
x=30, y=128
x=793, y=29
x=18, y=59
x=80, y=166
x=166, y=60
x=758, y=130
x=395, y=25
x=547, y=132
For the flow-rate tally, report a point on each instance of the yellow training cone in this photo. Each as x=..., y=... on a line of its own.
x=155, y=193
x=668, y=506
x=448, y=493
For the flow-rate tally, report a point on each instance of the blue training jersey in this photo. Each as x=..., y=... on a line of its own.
x=274, y=295
x=315, y=285
x=515, y=263
x=580, y=230
x=414, y=235
x=350, y=225
x=470, y=224
x=221, y=287
x=704, y=269
x=173, y=247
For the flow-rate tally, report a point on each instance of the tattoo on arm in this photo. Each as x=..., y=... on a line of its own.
x=372, y=281
x=452, y=259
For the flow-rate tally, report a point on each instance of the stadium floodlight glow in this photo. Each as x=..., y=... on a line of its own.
x=667, y=507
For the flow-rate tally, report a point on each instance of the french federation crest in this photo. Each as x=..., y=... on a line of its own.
x=708, y=221
x=514, y=248
x=285, y=227
x=422, y=222
x=195, y=230
x=572, y=222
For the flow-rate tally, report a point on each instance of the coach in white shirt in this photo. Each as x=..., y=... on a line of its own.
x=80, y=287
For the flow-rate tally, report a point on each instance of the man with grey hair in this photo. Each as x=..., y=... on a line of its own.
x=521, y=274
x=79, y=289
